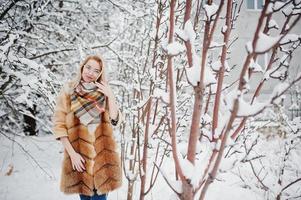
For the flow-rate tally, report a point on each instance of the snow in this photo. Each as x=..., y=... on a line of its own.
x=270, y=8
x=2, y=113
x=206, y=119
x=255, y=66
x=280, y=88
x=294, y=106
x=224, y=29
x=277, y=5
x=290, y=38
x=159, y=93
x=296, y=11
x=249, y=47
x=288, y=9
x=214, y=44
x=280, y=73
x=48, y=153
x=209, y=78
x=175, y=48
x=248, y=109
x=230, y=98
x=273, y=24
x=193, y=73
x=265, y=42
x=189, y=31
x=126, y=47
x=187, y=168
x=210, y=10
x=297, y=2
x=216, y=65
x=188, y=34
x=181, y=34
x=218, y=145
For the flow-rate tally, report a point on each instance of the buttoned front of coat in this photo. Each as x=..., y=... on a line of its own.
x=97, y=146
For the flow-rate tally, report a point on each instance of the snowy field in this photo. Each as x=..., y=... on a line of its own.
x=36, y=173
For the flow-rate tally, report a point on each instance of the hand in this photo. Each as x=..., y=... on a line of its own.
x=104, y=88
x=77, y=162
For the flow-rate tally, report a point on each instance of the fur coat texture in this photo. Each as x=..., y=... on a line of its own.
x=98, y=148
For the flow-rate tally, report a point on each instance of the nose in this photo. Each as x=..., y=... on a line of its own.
x=90, y=72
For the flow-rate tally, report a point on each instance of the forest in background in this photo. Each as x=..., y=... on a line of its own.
x=187, y=99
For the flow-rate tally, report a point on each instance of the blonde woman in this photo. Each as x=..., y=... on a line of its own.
x=84, y=114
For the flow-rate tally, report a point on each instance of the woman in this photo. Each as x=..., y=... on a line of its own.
x=83, y=117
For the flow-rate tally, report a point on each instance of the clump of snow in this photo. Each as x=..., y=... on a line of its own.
x=230, y=97
x=278, y=5
x=248, y=109
x=181, y=34
x=164, y=44
x=280, y=73
x=188, y=34
x=279, y=89
x=273, y=24
x=224, y=29
x=206, y=119
x=187, y=168
x=193, y=73
x=265, y=42
x=255, y=66
x=206, y=132
x=210, y=10
x=249, y=47
x=288, y=9
x=209, y=78
x=215, y=66
x=290, y=38
x=176, y=185
x=270, y=8
x=161, y=94
x=214, y=44
x=189, y=31
x=175, y=48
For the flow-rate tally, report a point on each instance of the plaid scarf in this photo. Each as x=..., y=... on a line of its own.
x=87, y=103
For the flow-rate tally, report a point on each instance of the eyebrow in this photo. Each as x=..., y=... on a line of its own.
x=93, y=68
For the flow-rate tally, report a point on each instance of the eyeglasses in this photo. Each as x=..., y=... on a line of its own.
x=90, y=69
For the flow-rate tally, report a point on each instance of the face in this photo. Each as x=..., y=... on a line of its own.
x=91, y=71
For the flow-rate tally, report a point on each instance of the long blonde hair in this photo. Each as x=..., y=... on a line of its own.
x=98, y=58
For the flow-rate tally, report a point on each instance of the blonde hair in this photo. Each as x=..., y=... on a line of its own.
x=98, y=58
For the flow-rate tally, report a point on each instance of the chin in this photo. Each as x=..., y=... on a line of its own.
x=87, y=80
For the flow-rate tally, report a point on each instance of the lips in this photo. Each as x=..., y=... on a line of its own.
x=88, y=77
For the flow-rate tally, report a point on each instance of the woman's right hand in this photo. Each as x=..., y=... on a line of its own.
x=77, y=162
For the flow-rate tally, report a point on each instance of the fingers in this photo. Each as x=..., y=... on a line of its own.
x=82, y=159
x=78, y=164
x=80, y=167
x=100, y=85
x=82, y=163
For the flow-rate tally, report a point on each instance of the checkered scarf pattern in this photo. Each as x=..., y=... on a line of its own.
x=87, y=103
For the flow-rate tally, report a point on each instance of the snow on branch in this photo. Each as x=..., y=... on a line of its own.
x=266, y=42
x=210, y=10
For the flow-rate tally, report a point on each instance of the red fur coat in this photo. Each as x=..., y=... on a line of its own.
x=103, y=166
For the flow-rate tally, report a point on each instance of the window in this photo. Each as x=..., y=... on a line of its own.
x=255, y=4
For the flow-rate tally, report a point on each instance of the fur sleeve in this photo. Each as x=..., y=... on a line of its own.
x=59, y=128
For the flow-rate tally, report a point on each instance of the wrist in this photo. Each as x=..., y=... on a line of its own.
x=72, y=153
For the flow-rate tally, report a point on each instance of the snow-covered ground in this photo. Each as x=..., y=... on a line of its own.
x=36, y=174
